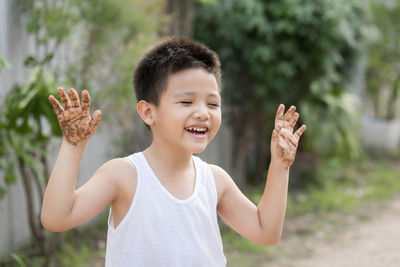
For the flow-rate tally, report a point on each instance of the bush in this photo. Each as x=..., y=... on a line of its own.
x=293, y=52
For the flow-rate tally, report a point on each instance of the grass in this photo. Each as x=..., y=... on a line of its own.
x=346, y=187
x=240, y=249
x=340, y=187
x=81, y=247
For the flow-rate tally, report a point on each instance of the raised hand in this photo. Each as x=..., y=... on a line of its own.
x=284, y=142
x=75, y=121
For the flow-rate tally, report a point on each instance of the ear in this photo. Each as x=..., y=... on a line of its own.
x=146, y=111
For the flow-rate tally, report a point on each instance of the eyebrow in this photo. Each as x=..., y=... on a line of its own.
x=213, y=95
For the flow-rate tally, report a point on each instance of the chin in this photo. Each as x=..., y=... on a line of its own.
x=198, y=148
x=195, y=147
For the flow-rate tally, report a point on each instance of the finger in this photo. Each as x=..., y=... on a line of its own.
x=57, y=107
x=293, y=120
x=64, y=98
x=279, y=113
x=289, y=137
x=74, y=98
x=275, y=134
x=278, y=127
x=289, y=114
x=85, y=102
x=94, y=122
x=300, y=131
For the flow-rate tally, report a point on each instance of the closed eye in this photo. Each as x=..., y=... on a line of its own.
x=214, y=105
x=186, y=102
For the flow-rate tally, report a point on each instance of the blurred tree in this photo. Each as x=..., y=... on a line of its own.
x=182, y=13
x=290, y=51
x=108, y=43
x=383, y=79
x=28, y=122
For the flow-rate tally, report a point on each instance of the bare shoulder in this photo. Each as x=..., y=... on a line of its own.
x=122, y=172
x=221, y=178
x=113, y=178
x=119, y=165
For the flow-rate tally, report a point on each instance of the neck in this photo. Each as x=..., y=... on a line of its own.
x=168, y=157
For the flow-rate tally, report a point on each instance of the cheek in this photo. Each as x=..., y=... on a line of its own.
x=178, y=116
x=217, y=119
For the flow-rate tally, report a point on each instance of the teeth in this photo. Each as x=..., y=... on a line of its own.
x=196, y=129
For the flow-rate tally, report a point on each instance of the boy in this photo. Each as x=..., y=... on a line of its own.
x=164, y=200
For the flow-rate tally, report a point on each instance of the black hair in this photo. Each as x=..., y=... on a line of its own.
x=170, y=56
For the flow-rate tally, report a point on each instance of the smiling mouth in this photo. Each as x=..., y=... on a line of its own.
x=198, y=131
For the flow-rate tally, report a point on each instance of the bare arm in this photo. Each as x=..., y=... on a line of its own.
x=284, y=142
x=263, y=224
x=58, y=197
x=60, y=210
x=272, y=206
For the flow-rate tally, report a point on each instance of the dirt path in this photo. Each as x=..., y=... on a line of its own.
x=371, y=243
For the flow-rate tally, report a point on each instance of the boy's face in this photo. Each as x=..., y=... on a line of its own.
x=189, y=112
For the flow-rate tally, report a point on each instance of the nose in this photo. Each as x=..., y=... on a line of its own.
x=202, y=113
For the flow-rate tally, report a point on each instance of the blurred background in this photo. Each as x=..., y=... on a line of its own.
x=337, y=61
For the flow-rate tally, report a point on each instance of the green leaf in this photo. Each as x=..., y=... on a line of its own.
x=18, y=259
x=48, y=58
x=28, y=98
x=33, y=26
x=10, y=176
x=2, y=192
x=207, y=2
x=2, y=146
x=4, y=64
x=51, y=117
x=30, y=61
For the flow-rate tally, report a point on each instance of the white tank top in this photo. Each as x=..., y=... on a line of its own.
x=161, y=230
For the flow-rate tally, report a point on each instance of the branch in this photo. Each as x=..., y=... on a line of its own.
x=29, y=201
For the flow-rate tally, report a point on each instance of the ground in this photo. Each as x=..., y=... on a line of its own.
x=372, y=241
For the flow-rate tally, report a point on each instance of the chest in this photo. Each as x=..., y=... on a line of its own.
x=180, y=187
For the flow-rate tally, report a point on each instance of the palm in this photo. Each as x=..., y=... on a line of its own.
x=75, y=121
x=284, y=142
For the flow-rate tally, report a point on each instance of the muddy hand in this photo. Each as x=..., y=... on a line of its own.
x=75, y=121
x=284, y=142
